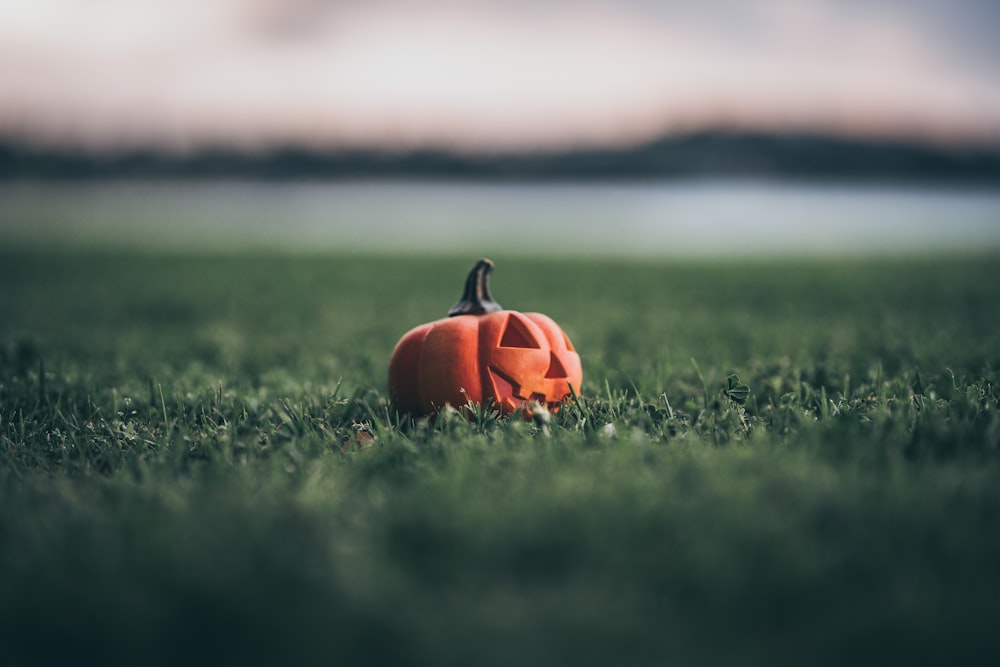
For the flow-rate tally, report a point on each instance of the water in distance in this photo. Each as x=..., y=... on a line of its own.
x=649, y=219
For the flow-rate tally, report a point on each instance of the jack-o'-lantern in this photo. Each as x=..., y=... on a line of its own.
x=482, y=354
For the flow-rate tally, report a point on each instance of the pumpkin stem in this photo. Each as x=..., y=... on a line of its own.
x=476, y=299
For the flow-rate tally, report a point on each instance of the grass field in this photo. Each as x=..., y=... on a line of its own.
x=198, y=464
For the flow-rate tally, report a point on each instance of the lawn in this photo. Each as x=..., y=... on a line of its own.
x=198, y=463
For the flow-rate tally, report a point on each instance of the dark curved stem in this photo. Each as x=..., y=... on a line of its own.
x=476, y=299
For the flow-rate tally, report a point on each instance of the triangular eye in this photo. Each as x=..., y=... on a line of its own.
x=569, y=345
x=556, y=370
x=517, y=335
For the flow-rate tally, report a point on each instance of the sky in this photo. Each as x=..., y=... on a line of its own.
x=491, y=75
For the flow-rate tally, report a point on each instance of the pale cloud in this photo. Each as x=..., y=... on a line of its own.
x=182, y=73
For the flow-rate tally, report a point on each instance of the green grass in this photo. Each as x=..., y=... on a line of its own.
x=198, y=463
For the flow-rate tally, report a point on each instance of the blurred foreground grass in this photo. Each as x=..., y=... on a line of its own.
x=197, y=463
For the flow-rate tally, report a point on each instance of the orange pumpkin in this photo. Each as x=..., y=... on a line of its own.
x=483, y=354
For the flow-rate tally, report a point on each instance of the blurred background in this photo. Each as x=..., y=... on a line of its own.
x=626, y=127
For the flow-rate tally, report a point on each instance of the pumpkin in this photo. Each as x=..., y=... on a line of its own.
x=483, y=354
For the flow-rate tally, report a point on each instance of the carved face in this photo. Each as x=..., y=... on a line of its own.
x=526, y=357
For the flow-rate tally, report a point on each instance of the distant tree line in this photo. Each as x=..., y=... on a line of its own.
x=726, y=154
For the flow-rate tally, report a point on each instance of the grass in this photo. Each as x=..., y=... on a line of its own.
x=198, y=463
